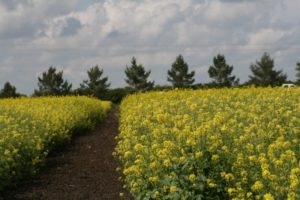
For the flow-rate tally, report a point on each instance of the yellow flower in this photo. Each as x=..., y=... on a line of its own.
x=268, y=196
x=173, y=189
x=199, y=154
x=257, y=186
x=254, y=131
x=215, y=157
x=192, y=177
x=249, y=194
x=210, y=183
x=292, y=196
x=38, y=146
x=138, y=147
x=30, y=127
x=6, y=152
x=294, y=178
x=127, y=154
x=153, y=165
x=153, y=178
x=167, y=163
x=229, y=177
x=156, y=194
x=266, y=174
x=231, y=191
x=182, y=159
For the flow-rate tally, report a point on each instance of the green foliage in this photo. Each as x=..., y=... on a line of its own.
x=162, y=88
x=118, y=94
x=8, y=91
x=95, y=85
x=33, y=127
x=298, y=73
x=179, y=76
x=137, y=77
x=264, y=73
x=221, y=73
x=52, y=84
x=210, y=144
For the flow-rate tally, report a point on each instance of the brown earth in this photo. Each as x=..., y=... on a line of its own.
x=85, y=169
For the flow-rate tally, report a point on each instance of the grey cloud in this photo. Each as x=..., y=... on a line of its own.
x=239, y=1
x=110, y=32
x=72, y=27
x=12, y=4
x=58, y=7
x=26, y=21
x=114, y=34
x=24, y=31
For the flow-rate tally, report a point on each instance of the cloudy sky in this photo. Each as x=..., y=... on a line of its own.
x=74, y=35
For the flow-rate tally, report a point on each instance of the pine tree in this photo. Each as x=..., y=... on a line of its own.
x=137, y=77
x=298, y=73
x=95, y=85
x=178, y=74
x=264, y=73
x=221, y=72
x=52, y=83
x=8, y=91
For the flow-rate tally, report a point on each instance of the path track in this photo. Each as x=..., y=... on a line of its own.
x=85, y=170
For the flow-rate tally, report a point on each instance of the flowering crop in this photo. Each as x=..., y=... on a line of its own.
x=211, y=144
x=31, y=127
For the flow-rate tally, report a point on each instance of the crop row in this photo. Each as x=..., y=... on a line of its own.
x=211, y=144
x=31, y=127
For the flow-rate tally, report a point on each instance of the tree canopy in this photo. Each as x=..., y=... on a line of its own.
x=178, y=75
x=221, y=72
x=263, y=73
x=52, y=83
x=8, y=91
x=137, y=77
x=298, y=73
x=95, y=85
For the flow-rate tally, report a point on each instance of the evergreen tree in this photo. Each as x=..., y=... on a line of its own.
x=178, y=74
x=137, y=77
x=52, y=83
x=298, y=73
x=8, y=91
x=95, y=85
x=221, y=72
x=264, y=73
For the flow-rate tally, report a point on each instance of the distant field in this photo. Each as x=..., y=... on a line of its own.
x=31, y=127
x=216, y=143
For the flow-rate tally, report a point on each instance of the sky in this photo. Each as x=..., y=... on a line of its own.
x=75, y=35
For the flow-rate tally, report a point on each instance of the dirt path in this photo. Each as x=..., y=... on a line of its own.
x=85, y=170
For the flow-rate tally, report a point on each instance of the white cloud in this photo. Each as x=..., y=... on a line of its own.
x=267, y=36
x=35, y=35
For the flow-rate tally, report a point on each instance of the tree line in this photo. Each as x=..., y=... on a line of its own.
x=52, y=83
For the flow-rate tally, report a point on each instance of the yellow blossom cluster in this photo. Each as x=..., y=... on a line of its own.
x=31, y=127
x=211, y=144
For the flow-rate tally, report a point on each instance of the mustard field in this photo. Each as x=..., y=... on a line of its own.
x=31, y=127
x=211, y=144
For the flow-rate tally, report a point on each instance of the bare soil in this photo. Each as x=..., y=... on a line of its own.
x=84, y=169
